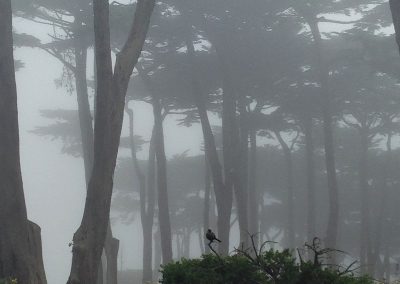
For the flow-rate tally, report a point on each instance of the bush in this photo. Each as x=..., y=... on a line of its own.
x=9, y=281
x=269, y=267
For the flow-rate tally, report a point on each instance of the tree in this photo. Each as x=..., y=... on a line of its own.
x=89, y=239
x=20, y=241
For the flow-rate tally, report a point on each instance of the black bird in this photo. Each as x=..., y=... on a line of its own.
x=211, y=237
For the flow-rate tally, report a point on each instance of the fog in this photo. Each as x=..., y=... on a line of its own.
x=280, y=122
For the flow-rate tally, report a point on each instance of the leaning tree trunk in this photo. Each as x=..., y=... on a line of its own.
x=89, y=239
x=20, y=242
x=86, y=130
x=223, y=194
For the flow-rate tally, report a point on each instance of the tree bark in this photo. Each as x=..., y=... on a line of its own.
x=35, y=248
x=89, y=239
x=20, y=243
x=111, y=250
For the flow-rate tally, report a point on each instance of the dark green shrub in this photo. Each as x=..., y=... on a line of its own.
x=211, y=269
x=269, y=267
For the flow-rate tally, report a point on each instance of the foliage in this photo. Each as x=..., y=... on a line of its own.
x=9, y=281
x=271, y=266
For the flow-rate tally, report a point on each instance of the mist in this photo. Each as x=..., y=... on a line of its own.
x=137, y=126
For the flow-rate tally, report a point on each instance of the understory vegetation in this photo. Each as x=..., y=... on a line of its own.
x=271, y=266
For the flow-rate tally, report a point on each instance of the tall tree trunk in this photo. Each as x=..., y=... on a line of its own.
x=253, y=204
x=86, y=130
x=85, y=117
x=148, y=228
x=242, y=171
x=206, y=212
x=163, y=207
x=381, y=220
x=311, y=213
x=365, y=246
x=186, y=237
x=88, y=241
x=323, y=71
x=223, y=194
x=290, y=232
x=20, y=242
x=147, y=199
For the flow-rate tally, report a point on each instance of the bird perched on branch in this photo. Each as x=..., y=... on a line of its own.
x=211, y=237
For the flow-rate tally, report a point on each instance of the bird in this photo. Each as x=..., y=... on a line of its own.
x=211, y=237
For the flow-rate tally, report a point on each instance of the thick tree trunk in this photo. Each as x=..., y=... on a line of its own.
x=223, y=194
x=290, y=231
x=89, y=239
x=20, y=242
x=311, y=213
x=111, y=250
x=100, y=273
x=35, y=248
x=163, y=207
x=86, y=127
